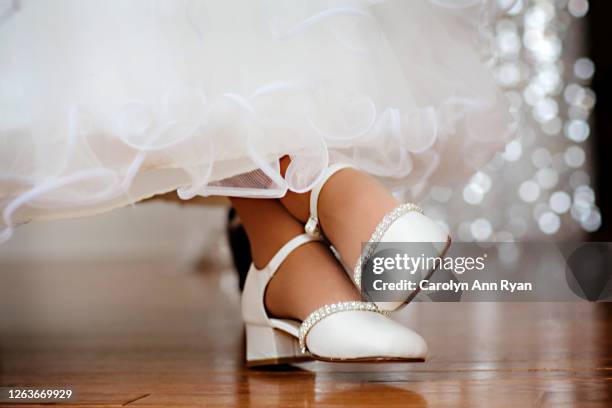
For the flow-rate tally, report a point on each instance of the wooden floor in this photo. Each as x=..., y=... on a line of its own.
x=141, y=334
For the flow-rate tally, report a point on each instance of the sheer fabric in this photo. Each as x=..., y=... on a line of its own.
x=104, y=103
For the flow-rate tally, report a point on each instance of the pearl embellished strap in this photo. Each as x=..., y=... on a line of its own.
x=324, y=311
x=380, y=230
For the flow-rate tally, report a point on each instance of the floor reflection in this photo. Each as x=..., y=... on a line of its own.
x=117, y=332
x=293, y=386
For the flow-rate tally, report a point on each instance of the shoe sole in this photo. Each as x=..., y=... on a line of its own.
x=429, y=275
x=278, y=361
x=311, y=357
x=370, y=360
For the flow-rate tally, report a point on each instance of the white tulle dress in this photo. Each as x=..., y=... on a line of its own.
x=107, y=102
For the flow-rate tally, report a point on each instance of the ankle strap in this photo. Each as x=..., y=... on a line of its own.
x=312, y=226
x=284, y=252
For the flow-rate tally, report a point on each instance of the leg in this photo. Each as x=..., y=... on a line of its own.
x=309, y=278
x=349, y=195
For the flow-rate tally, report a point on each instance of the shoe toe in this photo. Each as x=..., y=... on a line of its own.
x=363, y=335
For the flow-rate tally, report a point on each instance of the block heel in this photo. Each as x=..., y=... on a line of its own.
x=269, y=346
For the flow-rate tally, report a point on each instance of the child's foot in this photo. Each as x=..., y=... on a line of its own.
x=349, y=206
x=341, y=330
x=308, y=279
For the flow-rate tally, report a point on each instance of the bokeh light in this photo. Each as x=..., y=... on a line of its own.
x=540, y=184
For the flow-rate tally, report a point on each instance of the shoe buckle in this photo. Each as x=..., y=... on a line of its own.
x=312, y=227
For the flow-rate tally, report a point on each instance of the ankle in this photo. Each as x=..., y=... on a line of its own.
x=351, y=195
x=350, y=207
x=308, y=279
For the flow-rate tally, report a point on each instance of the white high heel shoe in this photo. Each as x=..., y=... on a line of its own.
x=405, y=223
x=345, y=331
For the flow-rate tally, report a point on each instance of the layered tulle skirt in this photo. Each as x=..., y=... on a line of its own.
x=104, y=103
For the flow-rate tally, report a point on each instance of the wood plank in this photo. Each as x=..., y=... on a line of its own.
x=139, y=334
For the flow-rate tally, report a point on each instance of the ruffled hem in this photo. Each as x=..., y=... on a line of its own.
x=229, y=143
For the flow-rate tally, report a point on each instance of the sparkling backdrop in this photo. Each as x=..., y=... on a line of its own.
x=540, y=186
